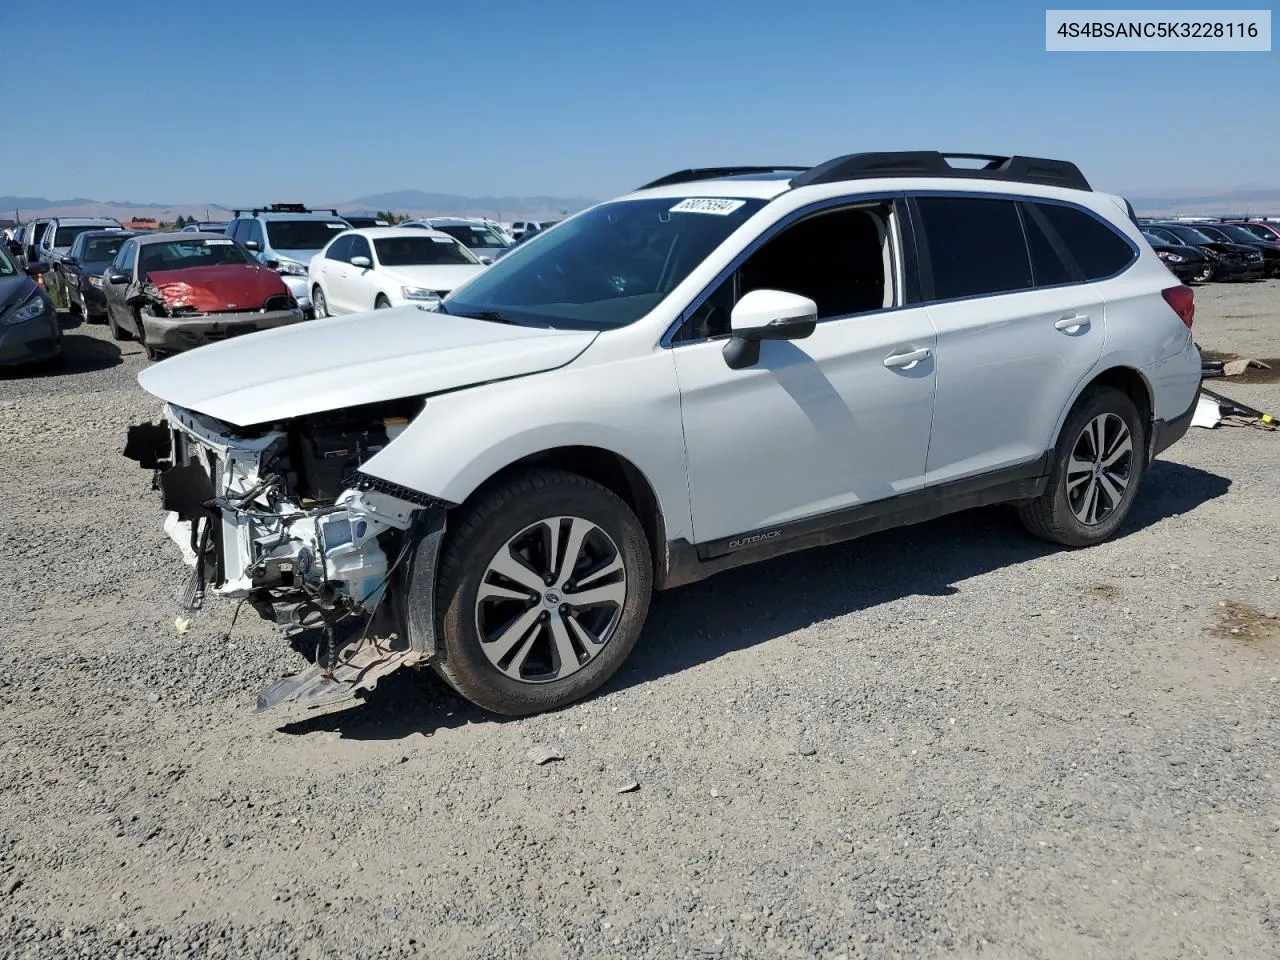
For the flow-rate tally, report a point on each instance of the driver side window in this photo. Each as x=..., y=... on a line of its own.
x=125, y=258
x=841, y=260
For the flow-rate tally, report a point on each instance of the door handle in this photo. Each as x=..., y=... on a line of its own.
x=907, y=359
x=1071, y=324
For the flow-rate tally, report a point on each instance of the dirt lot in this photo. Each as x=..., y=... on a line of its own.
x=947, y=741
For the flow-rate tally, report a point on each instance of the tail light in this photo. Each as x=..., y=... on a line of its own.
x=1183, y=301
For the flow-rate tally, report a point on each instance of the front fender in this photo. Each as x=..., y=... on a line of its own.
x=628, y=407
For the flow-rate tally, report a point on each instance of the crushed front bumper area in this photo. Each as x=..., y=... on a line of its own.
x=195, y=330
x=323, y=566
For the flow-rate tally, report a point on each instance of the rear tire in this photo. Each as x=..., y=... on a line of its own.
x=536, y=641
x=1097, y=468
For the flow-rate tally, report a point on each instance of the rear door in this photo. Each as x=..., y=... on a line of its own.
x=1018, y=328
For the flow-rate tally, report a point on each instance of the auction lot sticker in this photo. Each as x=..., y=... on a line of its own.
x=717, y=205
x=1157, y=30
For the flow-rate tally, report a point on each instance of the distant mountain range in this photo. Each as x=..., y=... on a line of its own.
x=420, y=203
x=417, y=203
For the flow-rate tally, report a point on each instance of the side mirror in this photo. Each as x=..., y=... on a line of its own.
x=271, y=264
x=37, y=268
x=766, y=315
x=486, y=260
x=364, y=263
x=253, y=245
x=117, y=278
x=68, y=261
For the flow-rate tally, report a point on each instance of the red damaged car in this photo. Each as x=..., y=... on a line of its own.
x=175, y=291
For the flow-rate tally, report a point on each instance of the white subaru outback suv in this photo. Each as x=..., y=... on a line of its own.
x=723, y=366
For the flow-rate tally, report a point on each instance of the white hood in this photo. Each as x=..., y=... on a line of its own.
x=446, y=277
x=340, y=362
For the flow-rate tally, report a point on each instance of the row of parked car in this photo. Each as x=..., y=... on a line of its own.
x=263, y=268
x=1204, y=249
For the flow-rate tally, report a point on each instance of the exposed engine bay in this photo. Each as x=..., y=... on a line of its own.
x=280, y=517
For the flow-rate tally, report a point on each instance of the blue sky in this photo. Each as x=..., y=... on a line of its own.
x=232, y=102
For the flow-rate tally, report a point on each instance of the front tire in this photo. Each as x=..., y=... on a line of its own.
x=1205, y=275
x=118, y=333
x=1097, y=468
x=543, y=588
x=319, y=305
x=381, y=303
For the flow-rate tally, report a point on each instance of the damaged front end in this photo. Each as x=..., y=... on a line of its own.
x=183, y=309
x=280, y=517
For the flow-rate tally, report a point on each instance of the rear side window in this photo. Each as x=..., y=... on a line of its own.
x=975, y=246
x=1096, y=248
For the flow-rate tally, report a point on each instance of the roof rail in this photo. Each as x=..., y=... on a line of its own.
x=712, y=173
x=931, y=163
x=282, y=208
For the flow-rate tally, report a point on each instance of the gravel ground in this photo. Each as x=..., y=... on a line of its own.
x=952, y=740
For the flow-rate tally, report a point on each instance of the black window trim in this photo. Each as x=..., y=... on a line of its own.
x=926, y=272
x=898, y=241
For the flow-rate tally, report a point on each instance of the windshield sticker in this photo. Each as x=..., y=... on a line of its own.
x=335, y=226
x=217, y=243
x=442, y=240
x=718, y=206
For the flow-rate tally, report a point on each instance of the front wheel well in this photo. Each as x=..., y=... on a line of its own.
x=612, y=471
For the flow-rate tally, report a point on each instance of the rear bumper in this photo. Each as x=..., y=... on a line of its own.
x=185, y=333
x=1165, y=433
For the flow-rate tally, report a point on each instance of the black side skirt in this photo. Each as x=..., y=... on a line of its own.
x=687, y=562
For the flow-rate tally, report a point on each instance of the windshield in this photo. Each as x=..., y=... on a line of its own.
x=7, y=269
x=605, y=268
x=1235, y=233
x=477, y=235
x=101, y=249
x=302, y=234
x=184, y=254
x=413, y=251
x=66, y=236
x=1188, y=233
x=1257, y=232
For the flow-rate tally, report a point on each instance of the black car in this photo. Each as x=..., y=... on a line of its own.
x=1230, y=233
x=83, y=267
x=29, y=331
x=1186, y=263
x=361, y=222
x=1228, y=261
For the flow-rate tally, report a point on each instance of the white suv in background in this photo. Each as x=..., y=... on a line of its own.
x=718, y=368
x=379, y=267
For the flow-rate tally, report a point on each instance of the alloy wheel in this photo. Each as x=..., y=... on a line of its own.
x=318, y=303
x=1100, y=468
x=550, y=599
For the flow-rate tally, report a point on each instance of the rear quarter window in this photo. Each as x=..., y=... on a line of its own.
x=1095, y=247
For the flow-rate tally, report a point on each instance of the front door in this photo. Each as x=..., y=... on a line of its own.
x=114, y=293
x=819, y=425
